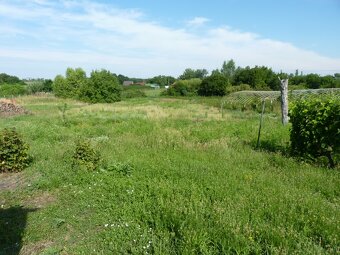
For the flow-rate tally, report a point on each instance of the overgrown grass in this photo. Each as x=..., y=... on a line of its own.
x=176, y=178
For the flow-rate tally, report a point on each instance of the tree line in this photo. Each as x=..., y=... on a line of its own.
x=104, y=86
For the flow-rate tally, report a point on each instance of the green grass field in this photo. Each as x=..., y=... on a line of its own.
x=181, y=179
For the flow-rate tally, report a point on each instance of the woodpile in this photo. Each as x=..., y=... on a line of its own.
x=10, y=108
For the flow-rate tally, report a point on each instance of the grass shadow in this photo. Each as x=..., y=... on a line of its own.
x=272, y=146
x=12, y=225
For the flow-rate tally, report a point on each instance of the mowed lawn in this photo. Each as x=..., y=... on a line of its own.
x=176, y=178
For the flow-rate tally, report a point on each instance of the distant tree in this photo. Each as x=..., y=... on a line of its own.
x=328, y=81
x=184, y=88
x=313, y=81
x=258, y=77
x=9, y=79
x=102, y=87
x=191, y=74
x=162, y=80
x=228, y=69
x=76, y=78
x=214, y=85
x=69, y=86
x=61, y=88
x=47, y=85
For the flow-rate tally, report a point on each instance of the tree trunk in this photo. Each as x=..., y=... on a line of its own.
x=284, y=100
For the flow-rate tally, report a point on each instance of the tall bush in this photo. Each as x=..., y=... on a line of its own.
x=315, y=128
x=102, y=87
x=214, y=85
x=184, y=87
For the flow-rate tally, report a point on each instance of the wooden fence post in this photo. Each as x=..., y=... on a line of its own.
x=284, y=100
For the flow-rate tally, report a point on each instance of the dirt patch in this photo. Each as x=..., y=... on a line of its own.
x=12, y=181
x=39, y=200
x=9, y=108
x=35, y=248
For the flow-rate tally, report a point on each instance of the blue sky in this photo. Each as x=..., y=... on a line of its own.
x=41, y=38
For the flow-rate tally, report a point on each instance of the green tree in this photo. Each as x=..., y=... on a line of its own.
x=69, y=86
x=214, y=85
x=76, y=78
x=258, y=77
x=47, y=85
x=162, y=80
x=60, y=87
x=313, y=81
x=9, y=79
x=192, y=73
x=184, y=88
x=228, y=69
x=102, y=87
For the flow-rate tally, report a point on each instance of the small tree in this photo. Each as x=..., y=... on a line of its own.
x=315, y=128
x=214, y=85
x=13, y=152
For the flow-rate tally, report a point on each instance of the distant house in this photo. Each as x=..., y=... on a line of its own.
x=127, y=83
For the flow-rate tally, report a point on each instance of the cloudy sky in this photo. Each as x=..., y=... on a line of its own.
x=144, y=38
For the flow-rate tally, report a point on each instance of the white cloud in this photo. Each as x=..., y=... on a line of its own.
x=73, y=33
x=197, y=21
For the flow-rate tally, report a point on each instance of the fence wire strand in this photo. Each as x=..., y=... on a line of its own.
x=248, y=97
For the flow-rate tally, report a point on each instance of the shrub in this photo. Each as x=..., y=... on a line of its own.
x=214, y=85
x=13, y=152
x=133, y=93
x=315, y=128
x=85, y=156
x=8, y=90
x=102, y=87
x=184, y=88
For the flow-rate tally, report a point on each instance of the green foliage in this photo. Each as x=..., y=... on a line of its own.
x=61, y=87
x=13, y=151
x=258, y=77
x=162, y=80
x=228, y=69
x=315, y=128
x=9, y=79
x=241, y=87
x=197, y=187
x=214, y=85
x=192, y=74
x=9, y=90
x=184, y=88
x=133, y=93
x=124, y=169
x=85, y=156
x=70, y=85
x=102, y=87
x=39, y=85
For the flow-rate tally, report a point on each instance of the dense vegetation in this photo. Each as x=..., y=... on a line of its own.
x=100, y=87
x=175, y=178
x=316, y=128
x=14, y=155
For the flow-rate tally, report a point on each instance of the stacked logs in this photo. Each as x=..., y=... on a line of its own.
x=10, y=108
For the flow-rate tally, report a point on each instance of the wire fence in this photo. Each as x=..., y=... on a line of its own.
x=251, y=97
